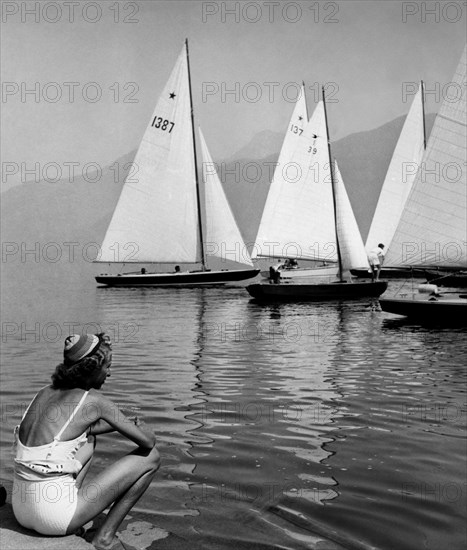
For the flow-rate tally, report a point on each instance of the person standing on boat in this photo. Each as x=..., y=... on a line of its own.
x=376, y=258
x=55, y=443
x=274, y=275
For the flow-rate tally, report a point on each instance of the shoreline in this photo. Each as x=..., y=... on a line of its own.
x=139, y=534
x=135, y=531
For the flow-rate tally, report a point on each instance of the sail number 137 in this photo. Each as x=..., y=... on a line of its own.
x=162, y=124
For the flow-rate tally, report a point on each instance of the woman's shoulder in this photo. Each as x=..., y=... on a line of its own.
x=97, y=397
x=53, y=397
x=44, y=394
x=102, y=406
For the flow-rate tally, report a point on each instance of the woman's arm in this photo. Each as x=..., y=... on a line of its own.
x=110, y=414
x=100, y=427
x=103, y=427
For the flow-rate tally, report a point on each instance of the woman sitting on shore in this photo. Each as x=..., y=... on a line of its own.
x=55, y=444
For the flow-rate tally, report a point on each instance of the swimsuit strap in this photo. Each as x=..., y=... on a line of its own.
x=65, y=426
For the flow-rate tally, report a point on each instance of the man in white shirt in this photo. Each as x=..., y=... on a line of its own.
x=376, y=258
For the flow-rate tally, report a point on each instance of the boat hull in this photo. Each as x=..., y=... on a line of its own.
x=391, y=273
x=183, y=279
x=322, y=272
x=456, y=280
x=428, y=310
x=316, y=292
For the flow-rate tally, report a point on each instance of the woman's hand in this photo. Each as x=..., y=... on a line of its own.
x=138, y=422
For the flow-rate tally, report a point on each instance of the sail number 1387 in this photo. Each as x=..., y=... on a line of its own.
x=162, y=124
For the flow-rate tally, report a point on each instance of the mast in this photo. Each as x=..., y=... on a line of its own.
x=198, y=199
x=306, y=106
x=331, y=167
x=422, y=89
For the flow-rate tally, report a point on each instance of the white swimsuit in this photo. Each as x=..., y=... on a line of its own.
x=45, y=495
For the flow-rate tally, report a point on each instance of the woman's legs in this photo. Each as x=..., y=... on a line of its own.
x=122, y=484
x=119, y=510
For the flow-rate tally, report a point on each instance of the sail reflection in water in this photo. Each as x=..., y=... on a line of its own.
x=267, y=392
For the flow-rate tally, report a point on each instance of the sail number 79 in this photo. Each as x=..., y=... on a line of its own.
x=162, y=124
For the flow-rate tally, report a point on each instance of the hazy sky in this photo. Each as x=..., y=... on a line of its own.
x=81, y=79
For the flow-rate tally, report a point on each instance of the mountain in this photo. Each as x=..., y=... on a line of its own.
x=263, y=144
x=49, y=226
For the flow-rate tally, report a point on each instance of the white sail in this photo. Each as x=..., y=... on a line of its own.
x=222, y=235
x=300, y=220
x=157, y=212
x=267, y=224
x=351, y=245
x=400, y=176
x=433, y=226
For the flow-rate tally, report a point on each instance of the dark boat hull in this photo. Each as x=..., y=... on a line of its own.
x=452, y=279
x=183, y=279
x=428, y=310
x=391, y=273
x=316, y=292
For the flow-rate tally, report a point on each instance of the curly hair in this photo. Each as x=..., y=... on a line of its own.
x=69, y=375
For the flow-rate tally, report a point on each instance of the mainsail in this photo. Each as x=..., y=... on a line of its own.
x=298, y=221
x=267, y=227
x=223, y=237
x=400, y=176
x=157, y=212
x=433, y=227
x=351, y=246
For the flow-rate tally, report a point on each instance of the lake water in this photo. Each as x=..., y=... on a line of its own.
x=282, y=425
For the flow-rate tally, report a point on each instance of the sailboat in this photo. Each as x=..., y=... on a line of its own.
x=398, y=182
x=443, y=308
x=279, y=233
x=433, y=227
x=316, y=207
x=282, y=231
x=158, y=216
